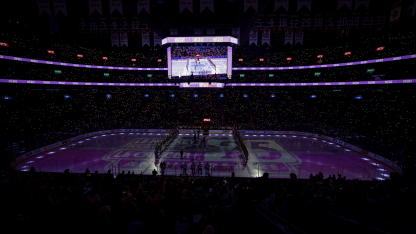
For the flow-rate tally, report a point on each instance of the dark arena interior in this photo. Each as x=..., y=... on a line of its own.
x=197, y=116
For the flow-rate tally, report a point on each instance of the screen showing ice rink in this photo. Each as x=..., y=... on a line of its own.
x=199, y=60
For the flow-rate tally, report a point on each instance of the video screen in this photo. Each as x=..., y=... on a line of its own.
x=199, y=61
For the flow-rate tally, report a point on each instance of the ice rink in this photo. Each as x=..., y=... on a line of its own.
x=279, y=155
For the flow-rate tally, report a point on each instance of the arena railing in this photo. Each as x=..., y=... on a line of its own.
x=396, y=58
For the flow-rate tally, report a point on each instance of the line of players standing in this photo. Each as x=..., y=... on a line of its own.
x=184, y=166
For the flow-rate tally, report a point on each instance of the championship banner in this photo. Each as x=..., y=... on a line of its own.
x=250, y=3
x=95, y=5
x=145, y=37
x=44, y=6
x=358, y=3
x=347, y=3
x=124, y=39
x=114, y=39
x=306, y=3
x=235, y=32
x=157, y=39
x=265, y=37
x=395, y=12
x=210, y=31
x=174, y=32
x=299, y=37
x=198, y=31
x=289, y=36
x=59, y=6
x=116, y=5
x=143, y=5
x=281, y=3
x=206, y=4
x=186, y=5
x=253, y=37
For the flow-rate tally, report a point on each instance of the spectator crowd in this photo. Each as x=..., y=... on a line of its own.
x=60, y=202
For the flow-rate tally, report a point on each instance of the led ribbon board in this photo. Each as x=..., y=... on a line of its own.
x=328, y=65
x=234, y=68
x=407, y=81
x=212, y=85
x=169, y=40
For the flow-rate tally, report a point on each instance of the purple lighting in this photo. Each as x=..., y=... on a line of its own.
x=330, y=65
x=216, y=85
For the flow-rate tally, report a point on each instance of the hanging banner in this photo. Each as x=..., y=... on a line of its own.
x=103, y=26
x=174, y=32
x=289, y=37
x=299, y=37
x=157, y=40
x=281, y=3
x=265, y=37
x=114, y=39
x=59, y=6
x=347, y=3
x=250, y=3
x=253, y=37
x=116, y=5
x=143, y=5
x=210, y=31
x=206, y=4
x=306, y=3
x=365, y=3
x=95, y=5
x=395, y=12
x=198, y=31
x=125, y=25
x=235, y=32
x=258, y=25
x=411, y=10
x=124, y=39
x=145, y=37
x=270, y=24
x=44, y=6
x=186, y=5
